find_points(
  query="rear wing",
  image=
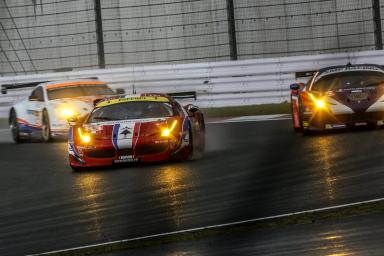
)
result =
(304, 74)
(183, 95)
(6, 87)
(174, 95)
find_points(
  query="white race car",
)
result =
(43, 115)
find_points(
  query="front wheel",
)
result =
(15, 129)
(46, 127)
(189, 148)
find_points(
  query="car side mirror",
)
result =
(72, 120)
(33, 98)
(295, 86)
(191, 109)
(120, 91)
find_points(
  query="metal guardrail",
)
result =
(218, 84)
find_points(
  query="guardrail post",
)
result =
(377, 24)
(99, 34)
(232, 30)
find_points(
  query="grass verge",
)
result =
(276, 222)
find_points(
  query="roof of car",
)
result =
(67, 83)
(350, 67)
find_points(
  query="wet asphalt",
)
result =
(249, 170)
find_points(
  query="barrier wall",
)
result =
(218, 84)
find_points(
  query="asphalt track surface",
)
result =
(250, 170)
(350, 236)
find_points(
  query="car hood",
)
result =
(357, 99)
(128, 129)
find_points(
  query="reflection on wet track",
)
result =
(250, 170)
(172, 181)
(90, 187)
(325, 158)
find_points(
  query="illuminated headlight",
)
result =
(320, 103)
(167, 131)
(66, 113)
(85, 137)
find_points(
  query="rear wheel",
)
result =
(202, 137)
(15, 129)
(46, 127)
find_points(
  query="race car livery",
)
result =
(43, 115)
(145, 128)
(339, 97)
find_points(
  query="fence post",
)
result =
(99, 34)
(232, 30)
(377, 24)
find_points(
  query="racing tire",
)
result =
(15, 129)
(192, 152)
(295, 129)
(201, 147)
(46, 127)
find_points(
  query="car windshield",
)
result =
(78, 91)
(131, 110)
(348, 80)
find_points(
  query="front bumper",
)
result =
(108, 156)
(329, 121)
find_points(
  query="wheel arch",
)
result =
(12, 110)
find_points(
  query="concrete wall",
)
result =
(144, 32)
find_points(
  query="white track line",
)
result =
(212, 227)
(259, 118)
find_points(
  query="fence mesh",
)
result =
(45, 36)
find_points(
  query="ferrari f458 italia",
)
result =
(129, 129)
(339, 97)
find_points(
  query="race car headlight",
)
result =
(320, 103)
(65, 112)
(167, 131)
(85, 137)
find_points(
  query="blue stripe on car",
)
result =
(115, 135)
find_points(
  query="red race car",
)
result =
(128, 129)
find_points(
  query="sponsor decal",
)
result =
(125, 135)
(126, 131)
(126, 159)
(335, 126)
(131, 99)
(357, 96)
(361, 124)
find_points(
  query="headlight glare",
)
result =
(85, 137)
(167, 131)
